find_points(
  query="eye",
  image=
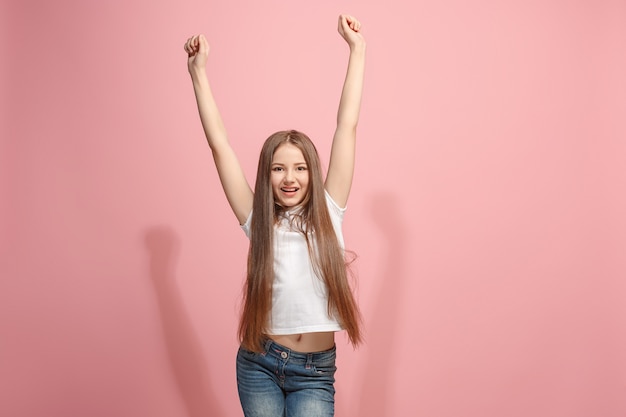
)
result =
(277, 169)
(302, 168)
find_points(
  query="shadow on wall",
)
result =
(382, 325)
(189, 365)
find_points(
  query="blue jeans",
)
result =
(282, 383)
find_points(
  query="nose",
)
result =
(288, 176)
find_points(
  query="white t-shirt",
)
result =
(299, 296)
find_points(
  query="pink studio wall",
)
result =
(487, 211)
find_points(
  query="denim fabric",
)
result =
(283, 383)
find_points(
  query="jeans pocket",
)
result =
(323, 369)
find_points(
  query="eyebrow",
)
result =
(282, 164)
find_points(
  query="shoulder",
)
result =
(333, 207)
(246, 226)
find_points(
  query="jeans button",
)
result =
(283, 355)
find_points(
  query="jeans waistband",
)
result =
(280, 351)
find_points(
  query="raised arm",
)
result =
(341, 165)
(236, 187)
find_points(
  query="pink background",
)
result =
(487, 211)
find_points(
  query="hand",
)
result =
(350, 29)
(197, 48)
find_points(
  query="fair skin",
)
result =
(289, 179)
(290, 176)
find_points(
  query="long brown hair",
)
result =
(326, 253)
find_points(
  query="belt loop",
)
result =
(309, 360)
(268, 344)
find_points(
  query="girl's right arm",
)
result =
(236, 187)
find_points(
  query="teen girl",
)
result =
(296, 293)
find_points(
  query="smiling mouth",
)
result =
(289, 189)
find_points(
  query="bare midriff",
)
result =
(306, 342)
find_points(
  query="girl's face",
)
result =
(289, 175)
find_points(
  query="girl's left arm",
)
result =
(341, 164)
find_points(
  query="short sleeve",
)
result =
(336, 212)
(246, 226)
